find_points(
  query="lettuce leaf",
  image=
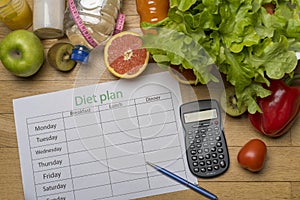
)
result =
(239, 37)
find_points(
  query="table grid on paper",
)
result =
(93, 152)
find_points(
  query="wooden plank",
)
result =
(15, 89)
(295, 190)
(295, 133)
(244, 190)
(240, 131)
(10, 174)
(8, 137)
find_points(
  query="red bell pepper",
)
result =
(279, 110)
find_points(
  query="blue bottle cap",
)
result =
(80, 54)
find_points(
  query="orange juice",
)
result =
(15, 14)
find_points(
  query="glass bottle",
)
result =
(15, 14)
(48, 16)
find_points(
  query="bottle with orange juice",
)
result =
(15, 14)
(152, 11)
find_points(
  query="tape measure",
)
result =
(82, 28)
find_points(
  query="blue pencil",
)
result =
(184, 182)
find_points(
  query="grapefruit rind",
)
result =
(128, 74)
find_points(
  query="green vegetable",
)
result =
(239, 37)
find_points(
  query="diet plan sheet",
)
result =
(93, 142)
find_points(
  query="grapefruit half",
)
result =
(124, 56)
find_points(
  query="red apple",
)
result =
(252, 155)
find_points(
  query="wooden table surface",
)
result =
(280, 178)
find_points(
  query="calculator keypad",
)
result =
(207, 150)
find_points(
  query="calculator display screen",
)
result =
(200, 115)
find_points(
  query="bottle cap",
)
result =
(80, 54)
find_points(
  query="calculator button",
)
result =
(215, 161)
(201, 163)
(219, 144)
(193, 152)
(201, 157)
(213, 149)
(207, 156)
(216, 167)
(220, 150)
(222, 163)
(214, 155)
(212, 144)
(221, 156)
(208, 162)
(196, 169)
(205, 124)
(195, 164)
(209, 168)
(194, 158)
(203, 170)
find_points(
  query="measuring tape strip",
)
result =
(120, 23)
(80, 24)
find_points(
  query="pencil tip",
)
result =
(149, 163)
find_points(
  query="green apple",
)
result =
(22, 53)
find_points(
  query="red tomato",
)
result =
(252, 155)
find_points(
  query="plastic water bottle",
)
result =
(88, 23)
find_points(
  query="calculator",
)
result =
(206, 147)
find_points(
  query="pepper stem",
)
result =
(289, 81)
